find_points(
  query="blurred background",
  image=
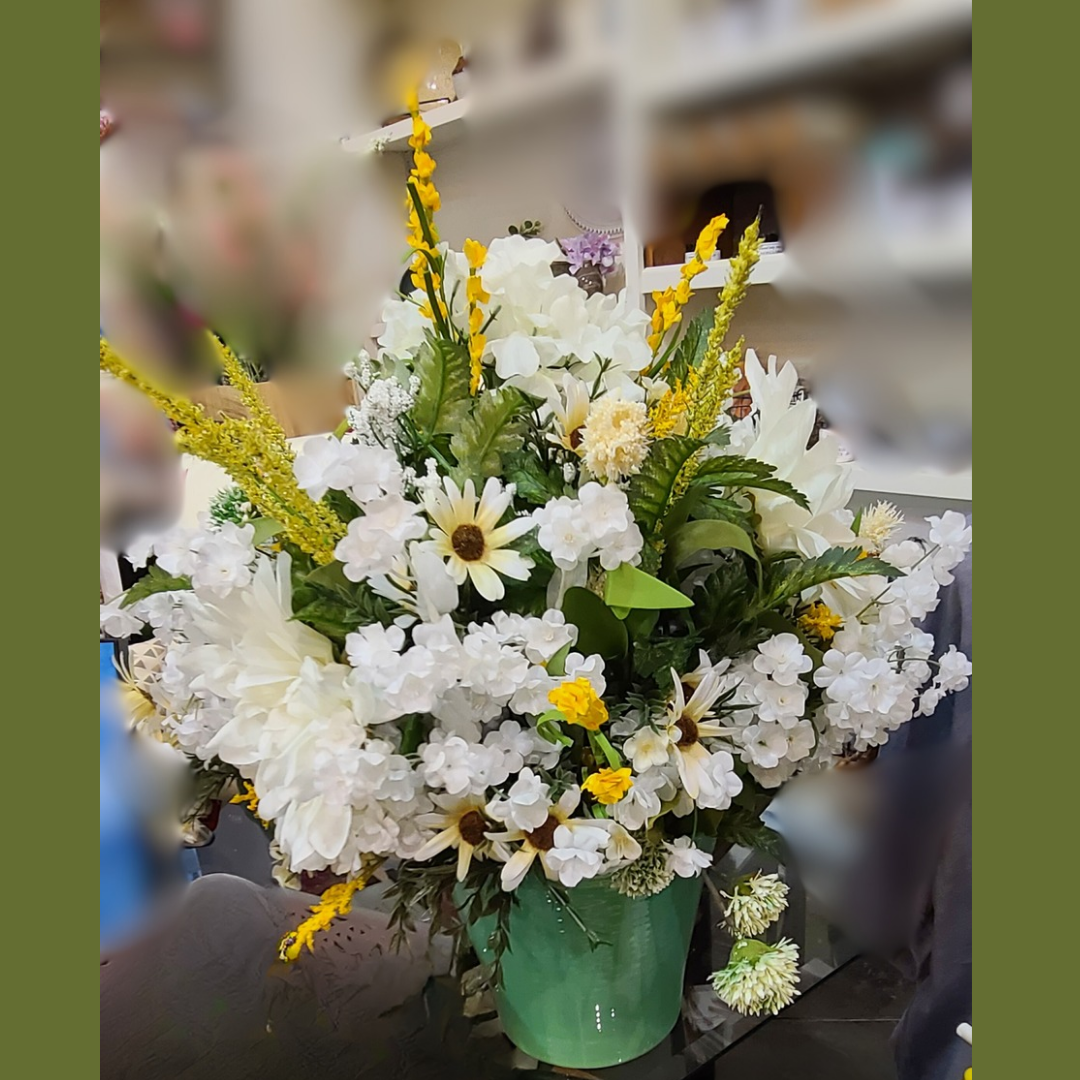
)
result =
(253, 155)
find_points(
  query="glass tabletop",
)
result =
(706, 1027)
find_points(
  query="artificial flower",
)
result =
(684, 859)
(579, 703)
(754, 904)
(540, 840)
(877, 524)
(759, 978)
(615, 438)
(462, 826)
(608, 786)
(471, 540)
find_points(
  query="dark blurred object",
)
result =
(686, 216)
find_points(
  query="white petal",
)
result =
(510, 564)
(488, 584)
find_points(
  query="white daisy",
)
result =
(686, 724)
(463, 825)
(470, 539)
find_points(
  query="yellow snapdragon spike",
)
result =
(670, 302)
(475, 295)
(476, 253)
(334, 903)
(250, 799)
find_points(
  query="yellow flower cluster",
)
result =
(580, 704)
(253, 451)
(476, 295)
(670, 302)
(250, 799)
(334, 903)
(422, 202)
(608, 785)
(820, 621)
(719, 371)
(667, 416)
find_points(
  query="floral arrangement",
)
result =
(540, 607)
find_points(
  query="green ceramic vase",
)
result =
(576, 1007)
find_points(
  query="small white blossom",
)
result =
(684, 859)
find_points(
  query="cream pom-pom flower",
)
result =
(615, 438)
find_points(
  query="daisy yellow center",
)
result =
(472, 827)
(468, 542)
(543, 837)
(688, 731)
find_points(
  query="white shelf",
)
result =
(817, 48)
(657, 278)
(927, 483)
(395, 137)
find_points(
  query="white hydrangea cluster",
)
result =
(597, 524)
(543, 325)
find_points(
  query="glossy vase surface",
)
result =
(570, 1005)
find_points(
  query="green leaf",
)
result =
(494, 428)
(550, 730)
(534, 483)
(557, 664)
(331, 576)
(789, 578)
(599, 631)
(442, 402)
(655, 657)
(265, 530)
(627, 586)
(732, 471)
(156, 581)
(691, 347)
(602, 748)
(698, 536)
(650, 491)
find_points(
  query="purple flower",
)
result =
(591, 249)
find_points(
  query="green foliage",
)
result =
(230, 504)
(535, 484)
(785, 579)
(628, 587)
(327, 601)
(732, 471)
(265, 530)
(698, 536)
(651, 490)
(599, 631)
(495, 427)
(156, 581)
(691, 348)
(442, 402)
(654, 658)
